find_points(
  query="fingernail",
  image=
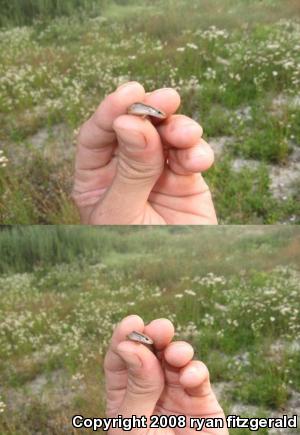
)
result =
(132, 140)
(186, 128)
(197, 154)
(131, 359)
(190, 126)
(163, 89)
(190, 375)
(127, 88)
(192, 371)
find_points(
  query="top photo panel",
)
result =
(131, 112)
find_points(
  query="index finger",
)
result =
(96, 139)
(161, 331)
(113, 362)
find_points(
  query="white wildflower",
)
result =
(2, 406)
(192, 46)
(189, 292)
(3, 159)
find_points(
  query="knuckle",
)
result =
(81, 133)
(132, 170)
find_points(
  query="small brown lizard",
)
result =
(138, 337)
(144, 110)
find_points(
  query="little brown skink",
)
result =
(138, 337)
(141, 109)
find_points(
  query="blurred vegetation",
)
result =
(16, 12)
(22, 249)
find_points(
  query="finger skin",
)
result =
(188, 152)
(145, 381)
(130, 323)
(166, 99)
(144, 370)
(178, 354)
(98, 130)
(198, 205)
(181, 186)
(161, 331)
(180, 131)
(96, 145)
(96, 140)
(114, 365)
(194, 377)
(196, 159)
(195, 380)
(140, 164)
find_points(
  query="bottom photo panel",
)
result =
(149, 330)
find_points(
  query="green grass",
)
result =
(27, 11)
(24, 248)
(232, 292)
(229, 60)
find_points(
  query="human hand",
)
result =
(140, 383)
(131, 171)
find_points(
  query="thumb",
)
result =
(145, 380)
(140, 164)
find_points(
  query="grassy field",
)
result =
(234, 62)
(19, 13)
(232, 292)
